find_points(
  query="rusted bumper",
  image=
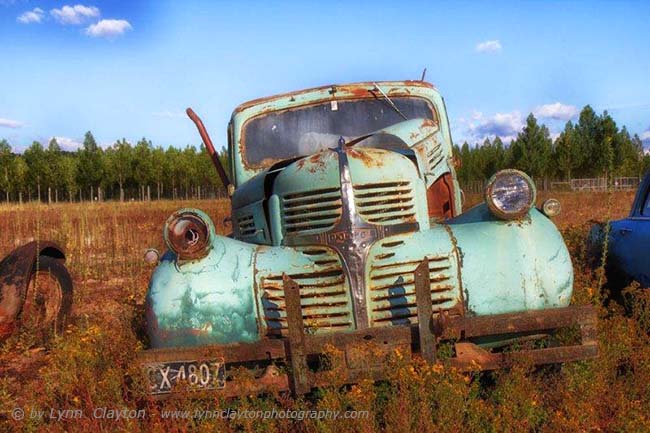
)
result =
(363, 353)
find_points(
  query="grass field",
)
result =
(91, 364)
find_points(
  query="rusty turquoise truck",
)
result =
(348, 231)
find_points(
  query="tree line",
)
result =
(121, 172)
(594, 146)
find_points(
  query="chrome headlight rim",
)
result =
(492, 186)
(189, 233)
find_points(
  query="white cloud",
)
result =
(108, 28)
(8, 123)
(504, 125)
(34, 16)
(556, 111)
(77, 14)
(69, 144)
(493, 46)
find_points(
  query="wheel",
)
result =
(48, 299)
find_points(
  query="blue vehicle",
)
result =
(628, 240)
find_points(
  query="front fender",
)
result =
(205, 301)
(15, 273)
(511, 266)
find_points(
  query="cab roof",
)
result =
(341, 90)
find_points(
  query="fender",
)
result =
(15, 273)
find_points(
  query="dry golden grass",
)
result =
(92, 364)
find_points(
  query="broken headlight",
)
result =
(510, 194)
(188, 234)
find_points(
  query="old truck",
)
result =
(348, 234)
(35, 289)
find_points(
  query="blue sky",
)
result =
(129, 69)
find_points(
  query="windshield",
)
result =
(306, 130)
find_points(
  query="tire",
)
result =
(48, 298)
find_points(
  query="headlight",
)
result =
(510, 194)
(188, 233)
(551, 207)
(151, 256)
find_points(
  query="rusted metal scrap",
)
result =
(18, 272)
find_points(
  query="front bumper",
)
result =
(363, 354)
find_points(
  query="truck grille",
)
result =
(246, 225)
(386, 202)
(324, 296)
(435, 156)
(311, 211)
(392, 289)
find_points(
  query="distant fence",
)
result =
(145, 193)
(596, 184)
(602, 184)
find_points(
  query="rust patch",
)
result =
(456, 162)
(360, 92)
(366, 157)
(440, 198)
(420, 134)
(347, 89)
(300, 163)
(316, 162)
(209, 146)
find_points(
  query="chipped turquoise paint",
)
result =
(205, 301)
(510, 266)
(499, 266)
(390, 280)
(374, 166)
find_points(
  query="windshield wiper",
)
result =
(392, 104)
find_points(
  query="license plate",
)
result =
(198, 375)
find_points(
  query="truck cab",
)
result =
(283, 157)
